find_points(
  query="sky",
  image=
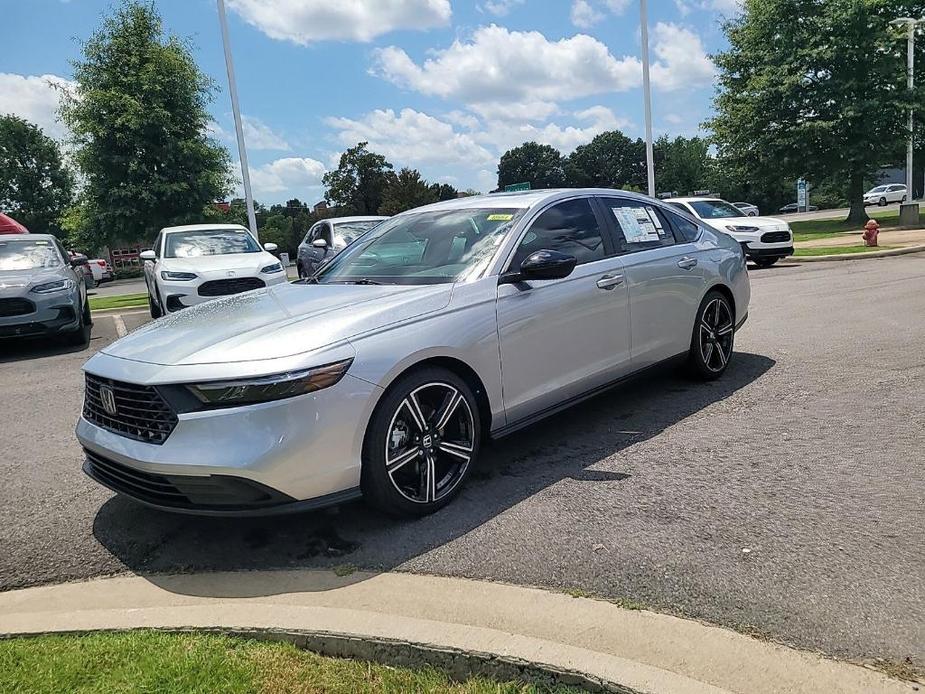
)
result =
(444, 86)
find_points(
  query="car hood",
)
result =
(211, 263)
(20, 279)
(763, 223)
(277, 322)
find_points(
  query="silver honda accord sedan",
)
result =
(384, 373)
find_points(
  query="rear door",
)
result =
(661, 261)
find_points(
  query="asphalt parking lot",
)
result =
(786, 498)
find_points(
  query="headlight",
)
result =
(177, 276)
(267, 388)
(275, 267)
(56, 286)
(735, 228)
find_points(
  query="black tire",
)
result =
(80, 336)
(154, 307)
(904, 199)
(714, 327)
(300, 271)
(882, 202)
(765, 262)
(422, 478)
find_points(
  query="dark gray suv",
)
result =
(42, 291)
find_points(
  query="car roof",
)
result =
(523, 199)
(28, 237)
(694, 199)
(203, 227)
(358, 218)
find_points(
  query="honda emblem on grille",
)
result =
(108, 398)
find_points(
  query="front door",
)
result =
(561, 338)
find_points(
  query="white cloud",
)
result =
(584, 15)
(306, 21)
(258, 135)
(290, 174)
(413, 138)
(498, 66)
(502, 135)
(725, 7)
(500, 8)
(681, 60)
(34, 98)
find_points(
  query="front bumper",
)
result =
(276, 457)
(53, 315)
(768, 250)
(178, 295)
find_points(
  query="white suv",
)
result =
(883, 195)
(765, 240)
(192, 264)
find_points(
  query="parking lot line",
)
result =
(120, 325)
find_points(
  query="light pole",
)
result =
(236, 110)
(650, 159)
(910, 25)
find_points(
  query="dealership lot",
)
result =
(785, 498)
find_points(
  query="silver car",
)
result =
(43, 291)
(329, 237)
(385, 373)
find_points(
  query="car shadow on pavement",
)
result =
(22, 349)
(578, 446)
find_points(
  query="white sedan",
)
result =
(883, 195)
(198, 262)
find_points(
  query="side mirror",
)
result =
(320, 243)
(542, 265)
(270, 247)
(78, 260)
(147, 255)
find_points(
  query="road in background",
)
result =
(785, 498)
(842, 213)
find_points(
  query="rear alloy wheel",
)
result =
(421, 443)
(713, 338)
(766, 262)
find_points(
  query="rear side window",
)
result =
(685, 229)
(638, 226)
(569, 227)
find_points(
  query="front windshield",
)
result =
(193, 244)
(715, 209)
(878, 189)
(424, 248)
(28, 255)
(348, 232)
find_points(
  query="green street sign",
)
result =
(514, 187)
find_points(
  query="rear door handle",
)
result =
(609, 281)
(687, 263)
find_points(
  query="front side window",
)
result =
(194, 244)
(424, 248)
(715, 209)
(28, 255)
(569, 227)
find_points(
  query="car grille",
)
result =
(234, 285)
(775, 237)
(141, 413)
(16, 307)
(211, 492)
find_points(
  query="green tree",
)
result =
(533, 163)
(791, 104)
(138, 121)
(406, 191)
(35, 185)
(444, 191)
(610, 160)
(681, 165)
(359, 182)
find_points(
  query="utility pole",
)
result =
(236, 110)
(647, 90)
(910, 25)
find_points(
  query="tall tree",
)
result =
(358, 183)
(681, 165)
(444, 191)
(610, 160)
(35, 185)
(533, 163)
(790, 102)
(406, 191)
(138, 121)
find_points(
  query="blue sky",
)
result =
(445, 86)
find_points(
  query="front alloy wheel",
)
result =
(421, 443)
(714, 334)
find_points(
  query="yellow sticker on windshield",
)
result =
(500, 217)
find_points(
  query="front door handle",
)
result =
(609, 281)
(687, 263)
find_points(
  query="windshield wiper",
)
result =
(365, 280)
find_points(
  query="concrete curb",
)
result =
(462, 625)
(856, 256)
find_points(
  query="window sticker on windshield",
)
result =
(636, 224)
(40, 243)
(500, 217)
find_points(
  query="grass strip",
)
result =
(840, 250)
(98, 303)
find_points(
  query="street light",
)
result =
(236, 111)
(647, 91)
(910, 25)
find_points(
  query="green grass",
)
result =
(98, 303)
(820, 228)
(840, 250)
(150, 661)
